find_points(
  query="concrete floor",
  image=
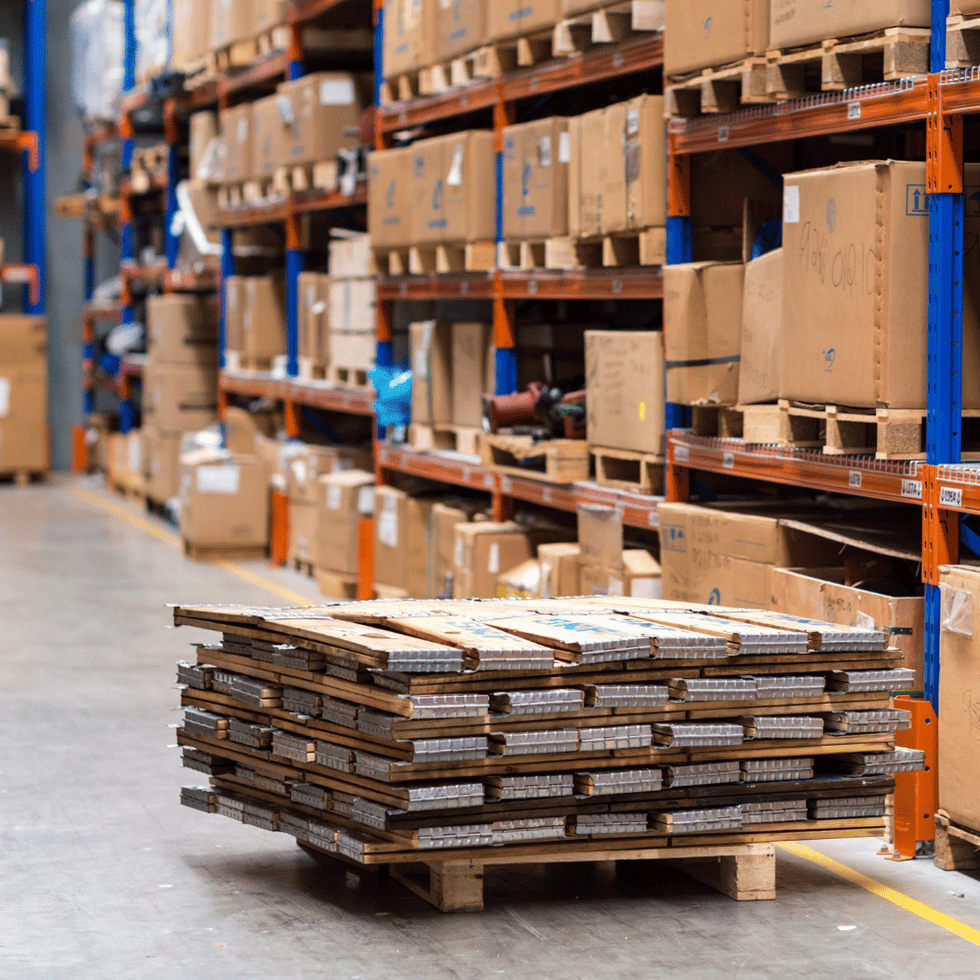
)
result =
(104, 875)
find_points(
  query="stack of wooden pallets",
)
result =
(460, 734)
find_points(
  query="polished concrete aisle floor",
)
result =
(105, 876)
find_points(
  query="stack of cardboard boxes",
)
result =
(352, 295)
(23, 395)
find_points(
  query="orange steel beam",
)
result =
(279, 528)
(294, 419)
(504, 329)
(386, 317)
(677, 486)
(940, 529)
(944, 154)
(27, 143)
(79, 451)
(916, 793)
(295, 42)
(365, 559)
(679, 186)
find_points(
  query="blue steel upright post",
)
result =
(385, 351)
(127, 249)
(35, 106)
(295, 258)
(680, 249)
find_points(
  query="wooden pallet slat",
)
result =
(957, 849)
(553, 460)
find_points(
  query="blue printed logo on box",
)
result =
(971, 201)
(672, 538)
(916, 201)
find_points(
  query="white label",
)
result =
(333, 496)
(544, 151)
(242, 130)
(564, 148)
(949, 497)
(728, 460)
(300, 472)
(135, 447)
(791, 204)
(505, 484)
(488, 481)
(653, 519)
(218, 479)
(337, 91)
(681, 454)
(493, 561)
(614, 586)
(388, 524)
(310, 297)
(723, 133)
(365, 500)
(855, 480)
(458, 552)
(285, 106)
(421, 368)
(546, 495)
(4, 397)
(632, 127)
(912, 489)
(854, 110)
(455, 176)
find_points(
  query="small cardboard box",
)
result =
(350, 255)
(320, 114)
(431, 345)
(191, 34)
(959, 695)
(352, 305)
(305, 469)
(224, 500)
(182, 328)
(236, 144)
(231, 21)
(559, 569)
(180, 398)
(23, 418)
(460, 27)
(304, 522)
(625, 382)
(521, 582)
(709, 33)
(409, 41)
(797, 22)
(354, 351)
(472, 371)
(703, 331)
(600, 536)
(264, 317)
(536, 158)
(343, 499)
(639, 577)
(483, 550)
(390, 188)
(760, 369)
(519, 18)
(443, 519)
(161, 453)
(203, 134)
(401, 541)
(268, 151)
(314, 333)
(23, 340)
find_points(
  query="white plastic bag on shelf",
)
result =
(97, 58)
(152, 37)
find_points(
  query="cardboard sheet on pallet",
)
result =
(798, 22)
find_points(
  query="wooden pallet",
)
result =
(452, 438)
(311, 370)
(554, 460)
(307, 177)
(647, 246)
(754, 424)
(842, 63)
(224, 552)
(236, 361)
(608, 25)
(957, 849)
(246, 193)
(338, 586)
(392, 262)
(625, 470)
(346, 377)
(243, 54)
(401, 88)
(962, 41)
(714, 90)
(450, 257)
(23, 478)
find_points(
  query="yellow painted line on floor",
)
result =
(124, 513)
(923, 911)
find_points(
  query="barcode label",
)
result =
(855, 480)
(681, 454)
(728, 461)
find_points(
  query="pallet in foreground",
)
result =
(554, 460)
(957, 848)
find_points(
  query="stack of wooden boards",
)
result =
(506, 731)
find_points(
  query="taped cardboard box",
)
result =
(639, 576)
(519, 18)
(625, 382)
(390, 188)
(23, 418)
(191, 36)
(343, 499)
(536, 160)
(483, 550)
(161, 464)
(797, 22)
(430, 345)
(460, 27)
(473, 371)
(182, 328)
(409, 42)
(235, 153)
(820, 593)
(959, 668)
(760, 368)
(264, 317)
(23, 340)
(703, 331)
(711, 33)
(855, 286)
(180, 398)
(320, 115)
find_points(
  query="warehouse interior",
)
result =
(517, 460)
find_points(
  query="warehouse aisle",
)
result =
(106, 876)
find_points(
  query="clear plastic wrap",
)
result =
(97, 58)
(152, 37)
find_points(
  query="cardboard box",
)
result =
(645, 163)
(575, 190)
(820, 593)
(443, 519)
(401, 541)
(180, 398)
(182, 328)
(231, 21)
(23, 417)
(518, 18)
(521, 582)
(269, 116)
(203, 136)
(23, 340)
(191, 35)
(224, 500)
(460, 27)
(473, 371)
(304, 471)
(314, 330)
(236, 144)
(797, 22)
(269, 14)
(964, 7)
(484, 549)
(760, 369)
(354, 351)
(343, 499)
(264, 318)
(855, 286)
(235, 298)
(600, 536)
(703, 331)
(959, 668)
(390, 189)
(320, 114)
(352, 305)
(593, 169)
(241, 428)
(559, 569)
(639, 576)
(450, 177)
(709, 33)
(304, 524)
(161, 464)
(625, 381)
(430, 346)
(350, 254)
(536, 158)
(408, 36)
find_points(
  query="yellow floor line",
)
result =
(123, 513)
(940, 919)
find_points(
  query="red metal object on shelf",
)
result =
(917, 793)
(279, 527)
(365, 559)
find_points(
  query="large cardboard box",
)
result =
(182, 328)
(23, 339)
(625, 382)
(473, 371)
(402, 541)
(519, 18)
(202, 135)
(460, 27)
(314, 291)
(231, 21)
(352, 305)
(161, 463)
(235, 298)
(708, 33)
(235, 153)
(268, 120)
(304, 522)
(964, 7)
(343, 499)
(408, 36)
(23, 417)
(430, 346)
(322, 116)
(264, 318)
(798, 22)
(855, 286)
(760, 369)
(180, 398)
(726, 557)
(191, 33)
(224, 500)
(450, 177)
(959, 695)
(390, 188)
(536, 158)
(703, 331)
(592, 172)
(820, 593)
(443, 519)
(600, 536)
(484, 550)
